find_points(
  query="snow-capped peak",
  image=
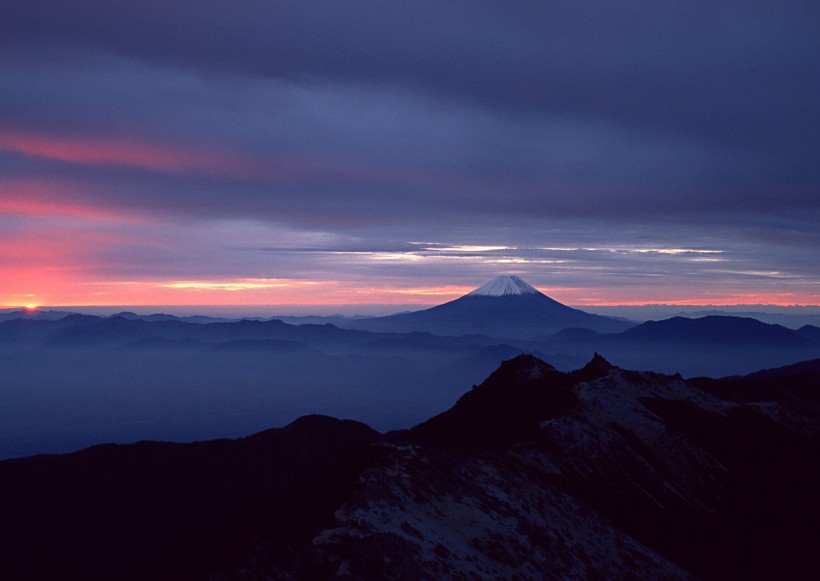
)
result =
(504, 286)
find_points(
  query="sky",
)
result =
(369, 152)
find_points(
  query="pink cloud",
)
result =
(113, 151)
(41, 198)
(130, 152)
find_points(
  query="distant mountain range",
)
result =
(792, 317)
(713, 330)
(714, 346)
(73, 380)
(535, 473)
(79, 380)
(42, 314)
(791, 321)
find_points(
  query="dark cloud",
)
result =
(527, 125)
(697, 66)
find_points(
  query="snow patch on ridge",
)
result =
(504, 286)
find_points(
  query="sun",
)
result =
(31, 307)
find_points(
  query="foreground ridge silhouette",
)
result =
(599, 471)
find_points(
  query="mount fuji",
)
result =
(504, 286)
(507, 307)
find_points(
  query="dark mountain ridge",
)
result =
(705, 486)
(159, 510)
(599, 472)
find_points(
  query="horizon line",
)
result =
(347, 306)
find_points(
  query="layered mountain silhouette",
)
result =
(810, 332)
(80, 379)
(535, 473)
(713, 345)
(506, 307)
(713, 330)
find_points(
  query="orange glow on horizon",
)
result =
(56, 289)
